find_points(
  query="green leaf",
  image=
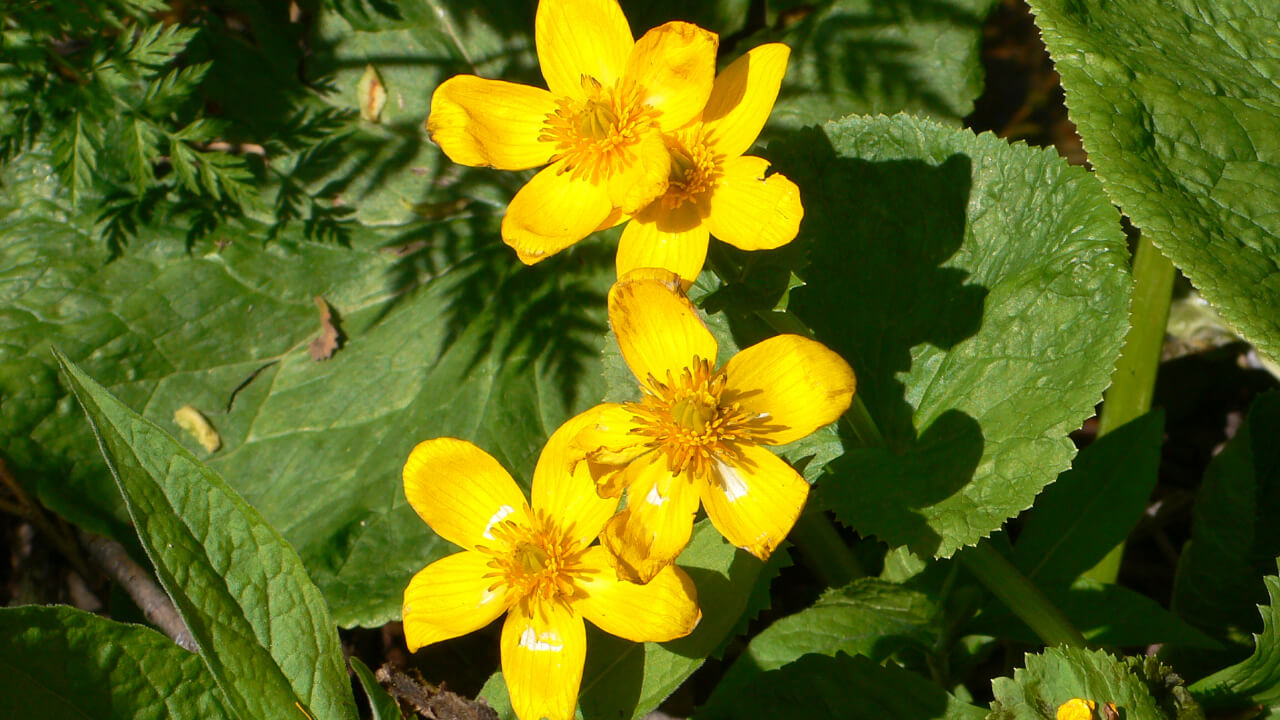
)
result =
(1256, 680)
(1234, 538)
(1093, 506)
(863, 56)
(75, 155)
(623, 679)
(263, 628)
(1140, 689)
(59, 662)
(817, 687)
(1177, 104)
(381, 704)
(980, 292)
(868, 617)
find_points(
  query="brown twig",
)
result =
(57, 533)
(433, 703)
(114, 560)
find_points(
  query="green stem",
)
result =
(824, 551)
(1021, 596)
(1134, 381)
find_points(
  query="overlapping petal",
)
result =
(663, 609)
(753, 210)
(657, 523)
(742, 98)
(459, 490)
(568, 491)
(544, 647)
(581, 37)
(451, 597)
(480, 122)
(754, 501)
(654, 240)
(674, 65)
(658, 330)
(643, 177)
(794, 384)
(551, 212)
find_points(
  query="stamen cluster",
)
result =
(593, 136)
(538, 560)
(694, 169)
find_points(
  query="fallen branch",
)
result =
(111, 557)
(433, 703)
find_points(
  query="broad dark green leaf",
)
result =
(868, 617)
(263, 628)
(1256, 680)
(62, 663)
(1234, 536)
(381, 704)
(980, 292)
(817, 687)
(1093, 506)
(1178, 105)
(1140, 689)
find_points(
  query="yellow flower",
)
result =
(1076, 709)
(599, 125)
(698, 433)
(714, 189)
(533, 561)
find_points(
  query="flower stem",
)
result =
(823, 551)
(1021, 596)
(1134, 380)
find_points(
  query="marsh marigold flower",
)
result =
(714, 189)
(533, 561)
(698, 432)
(599, 125)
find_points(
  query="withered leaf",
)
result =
(323, 347)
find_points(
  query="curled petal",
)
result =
(460, 490)
(567, 491)
(657, 523)
(793, 385)
(451, 597)
(658, 330)
(581, 37)
(491, 123)
(754, 501)
(743, 97)
(551, 212)
(674, 65)
(663, 609)
(751, 211)
(544, 646)
(646, 244)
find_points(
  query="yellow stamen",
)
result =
(535, 558)
(595, 136)
(694, 168)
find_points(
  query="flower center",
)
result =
(595, 136)
(534, 559)
(685, 419)
(694, 169)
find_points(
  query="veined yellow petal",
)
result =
(451, 597)
(755, 501)
(493, 123)
(657, 523)
(608, 439)
(581, 37)
(658, 330)
(743, 97)
(663, 609)
(794, 385)
(460, 490)
(751, 211)
(643, 177)
(551, 212)
(645, 244)
(570, 492)
(675, 66)
(544, 646)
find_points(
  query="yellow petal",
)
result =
(581, 37)
(551, 212)
(658, 330)
(608, 438)
(674, 65)
(793, 384)
(751, 211)
(663, 609)
(657, 523)
(460, 490)
(544, 646)
(481, 122)
(646, 244)
(643, 177)
(755, 501)
(451, 597)
(743, 97)
(568, 492)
